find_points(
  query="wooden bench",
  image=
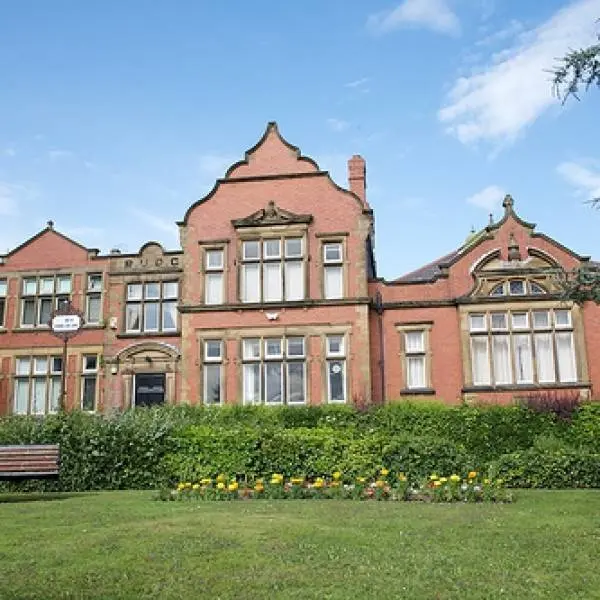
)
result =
(29, 461)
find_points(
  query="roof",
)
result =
(429, 272)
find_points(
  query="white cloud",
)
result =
(9, 152)
(585, 181)
(214, 164)
(357, 83)
(496, 102)
(13, 197)
(157, 223)
(429, 14)
(502, 35)
(337, 125)
(489, 198)
(56, 155)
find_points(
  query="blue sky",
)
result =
(115, 116)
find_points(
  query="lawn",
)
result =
(125, 545)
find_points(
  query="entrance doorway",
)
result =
(149, 389)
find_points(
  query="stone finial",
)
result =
(50, 224)
(491, 219)
(508, 203)
(513, 248)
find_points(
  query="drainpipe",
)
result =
(378, 305)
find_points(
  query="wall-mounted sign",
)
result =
(65, 323)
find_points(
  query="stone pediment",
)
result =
(271, 215)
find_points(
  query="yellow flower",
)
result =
(196, 486)
(297, 480)
(472, 474)
(206, 481)
(180, 486)
(220, 485)
(384, 472)
(260, 481)
(380, 483)
(259, 487)
(336, 483)
(188, 484)
(402, 477)
(454, 478)
(443, 479)
(499, 481)
(337, 475)
(318, 483)
(433, 477)
(221, 478)
(437, 483)
(233, 486)
(361, 479)
(486, 481)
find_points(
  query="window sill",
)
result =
(269, 306)
(417, 392)
(527, 387)
(148, 334)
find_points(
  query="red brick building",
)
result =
(273, 299)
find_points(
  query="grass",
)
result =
(124, 545)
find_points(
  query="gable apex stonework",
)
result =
(271, 215)
(272, 155)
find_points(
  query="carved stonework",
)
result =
(271, 215)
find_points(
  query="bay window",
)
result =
(522, 347)
(272, 270)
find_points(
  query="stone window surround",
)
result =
(306, 331)
(425, 327)
(523, 306)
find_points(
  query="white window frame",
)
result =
(210, 362)
(333, 264)
(336, 356)
(92, 294)
(214, 273)
(547, 368)
(28, 371)
(141, 300)
(259, 270)
(33, 293)
(89, 373)
(266, 360)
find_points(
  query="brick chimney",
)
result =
(357, 176)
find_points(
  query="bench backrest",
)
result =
(29, 461)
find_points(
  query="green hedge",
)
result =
(563, 468)
(149, 447)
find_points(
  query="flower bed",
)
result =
(471, 487)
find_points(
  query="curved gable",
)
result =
(272, 155)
